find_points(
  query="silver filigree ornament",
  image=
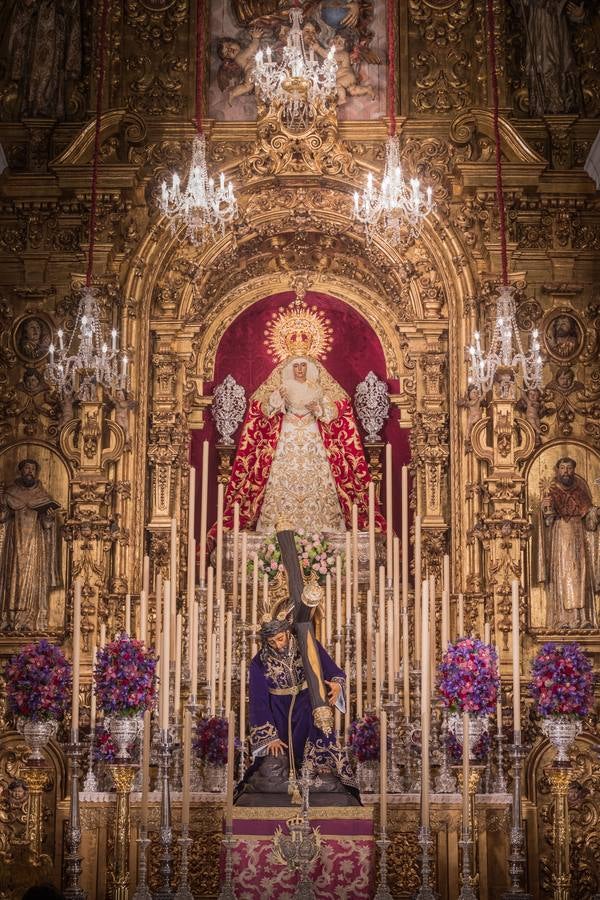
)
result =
(372, 404)
(228, 408)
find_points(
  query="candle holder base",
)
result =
(183, 892)
(426, 891)
(383, 891)
(142, 891)
(227, 892)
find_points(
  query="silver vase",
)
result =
(478, 725)
(123, 731)
(561, 731)
(37, 735)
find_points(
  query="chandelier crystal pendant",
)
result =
(205, 209)
(84, 362)
(506, 347)
(397, 208)
(299, 81)
(87, 361)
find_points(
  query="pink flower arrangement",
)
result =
(125, 677)
(315, 553)
(38, 682)
(562, 681)
(468, 677)
(210, 742)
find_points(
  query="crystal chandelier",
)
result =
(506, 348)
(395, 204)
(299, 81)
(396, 209)
(85, 361)
(205, 209)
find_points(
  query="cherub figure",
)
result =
(245, 60)
(531, 404)
(230, 72)
(347, 83)
(472, 403)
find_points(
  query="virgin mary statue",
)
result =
(300, 456)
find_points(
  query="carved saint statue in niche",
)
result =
(44, 53)
(552, 72)
(569, 548)
(29, 554)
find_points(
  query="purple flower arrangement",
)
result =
(104, 748)
(562, 681)
(125, 677)
(468, 677)
(38, 682)
(210, 742)
(364, 738)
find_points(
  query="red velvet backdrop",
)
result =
(355, 351)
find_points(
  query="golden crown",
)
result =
(298, 330)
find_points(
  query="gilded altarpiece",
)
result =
(119, 467)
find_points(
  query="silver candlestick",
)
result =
(165, 830)
(90, 782)
(517, 858)
(383, 890)
(393, 709)
(227, 892)
(183, 891)
(499, 785)
(426, 891)
(72, 889)
(142, 891)
(467, 889)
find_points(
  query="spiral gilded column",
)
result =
(560, 779)
(123, 777)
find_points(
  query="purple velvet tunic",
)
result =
(270, 718)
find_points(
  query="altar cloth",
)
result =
(344, 870)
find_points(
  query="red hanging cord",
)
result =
(101, 45)
(391, 68)
(199, 63)
(491, 22)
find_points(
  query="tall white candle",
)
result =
(372, 556)
(76, 655)
(369, 653)
(244, 579)
(236, 554)
(203, 513)
(178, 655)
(382, 621)
(359, 663)
(213, 673)
(254, 620)
(194, 653)
(243, 678)
(173, 580)
(432, 628)
(127, 623)
(191, 555)
(461, 616)
(338, 596)
(348, 571)
(355, 555)
(425, 704)
(219, 551)
(221, 647)
(383, 769)
(328, 610)
(143, 617)
(516, 661)
(230, 774)
(228, 659)
(93, 692)
(397, 612)
(165, 657)
(418, 584)
(210, 621)
(389, 511)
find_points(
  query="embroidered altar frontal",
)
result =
(343, 870)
